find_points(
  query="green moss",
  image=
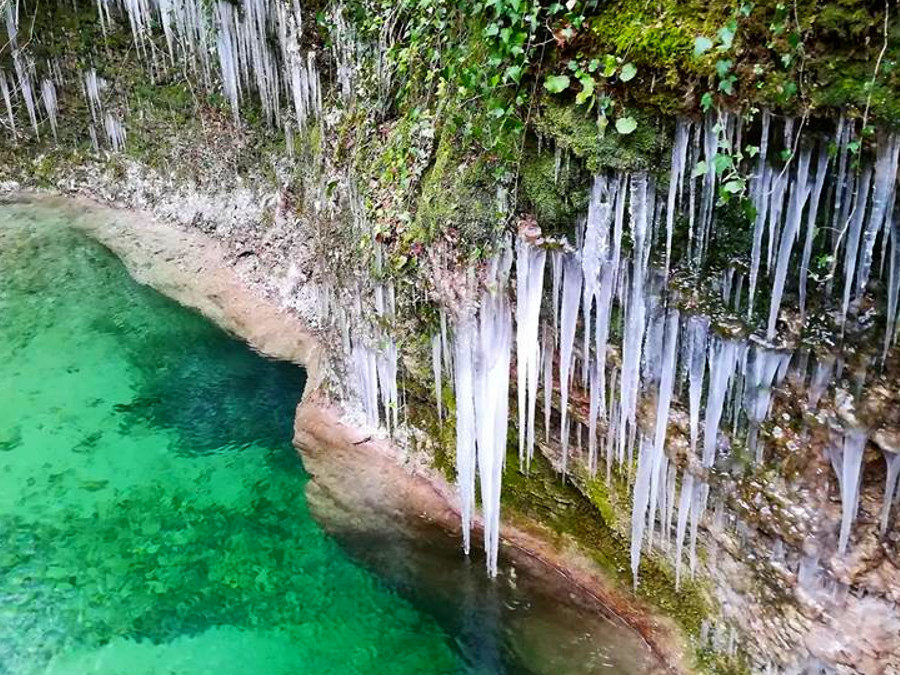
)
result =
(459, 192)
(556, 193)
(577, 131)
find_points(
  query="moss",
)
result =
(459, 192)
(555, 190)
(574, 130)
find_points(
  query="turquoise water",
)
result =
(154, 516)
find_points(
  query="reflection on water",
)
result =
(153, 516)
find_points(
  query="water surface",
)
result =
(153, 516)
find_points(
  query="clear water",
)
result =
(153, 515)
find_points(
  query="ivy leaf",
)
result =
(628, 72)
(514, 73)
(492, 30)
(556, 83)
(746, 8)
(722, 162)
(702, 45)
(727, 85)
(734, 186)
(723, 66)
(587, 89)
(625, 125)
(752, 150)
(699, 169)
(706, 101)
(726, 35)
(609, 65)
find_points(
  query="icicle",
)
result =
(760, 197)
(115, 132)
(684, 508)
(882, 195)
(891, 323)
(676, 179)
(436, 371)
(666, 388)
(529, 290)
(556, 263)
(635, 311)
(463, 343)
(571, 294)
(854, 227)
(847, 465)
(697, 328)
(594, 412)
(491, 408)
(639, 503)
(788, 235)
(721, 366)
(547, 343)
(892, 459)
(821, 171)
(764, 366)
(4, 90)
(48, 96)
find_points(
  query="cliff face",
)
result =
(707, 262)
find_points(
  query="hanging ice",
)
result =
(571, 295)
(529, 290)
(847, 463)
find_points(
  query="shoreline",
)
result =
(193, 269)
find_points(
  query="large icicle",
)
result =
(635, 313)
(464, 373)
(651, 467)
(788, 235)
(529, 290)
(571, 296)
(491, 396)
(821, 171)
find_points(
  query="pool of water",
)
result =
(153, 516)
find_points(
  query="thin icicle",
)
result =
(821, 171)
(884, 185)
(676, 180)
(788, 235)
(571, 295)
(854, 230)
(436, 372)
(847, 463)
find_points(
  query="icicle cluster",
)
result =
(256, 44)
(814, 203)
(482, 344)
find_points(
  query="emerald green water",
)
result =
(152, 516)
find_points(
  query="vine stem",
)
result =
(865, 120)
